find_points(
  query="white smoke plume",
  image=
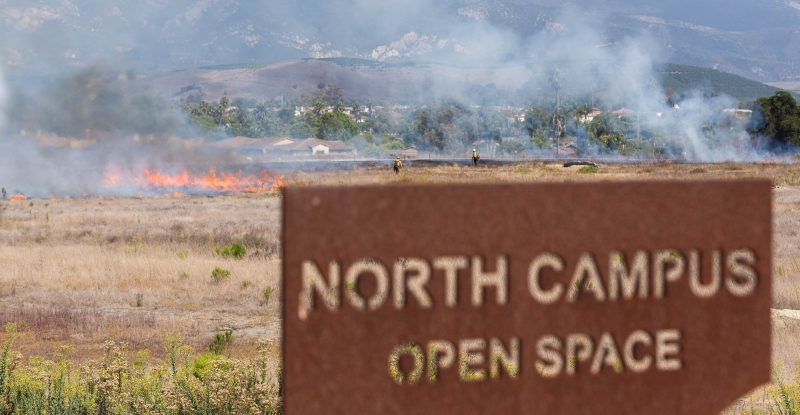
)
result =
(573, 55)
(90, 103)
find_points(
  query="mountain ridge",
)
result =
(758, 41)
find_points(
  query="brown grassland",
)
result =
(76, 273)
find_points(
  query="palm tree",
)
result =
(205, 107)
(357, 111)
(340, 107)
(261, 112)
(581, 112)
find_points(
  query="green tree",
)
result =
(240, 123)
(581, 111)
(607, 133)
(286, 115)
(537, 124)
(319, 107)
(300, 130)
(781, 117)
(333, 94)
(261, 112)
(451, 126)
(335, 126)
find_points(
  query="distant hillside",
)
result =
(793, 87)
(683, 78)
(409, 81)
(360, 79)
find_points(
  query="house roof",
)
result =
(309, 143)
(233, 143)
(243, 143)
(623, 111)
(271, 143)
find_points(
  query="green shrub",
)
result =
(785, 399)
(246, 284)
(209, 384)
(267, 294)
(588, 169)
(205, 362)
(236, 250)
(219, 275)
(221, 342)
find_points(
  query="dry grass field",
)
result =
(78, 272)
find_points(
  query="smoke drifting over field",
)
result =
(65, 131)
(570, 56)
(97, 131)
(625, 72)
(570, 53)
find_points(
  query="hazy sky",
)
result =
(757, 39)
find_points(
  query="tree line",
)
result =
(452, 126)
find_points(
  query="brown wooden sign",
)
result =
(600, 298)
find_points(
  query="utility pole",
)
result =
(556, 128)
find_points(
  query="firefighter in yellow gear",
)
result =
(397, 165)
(475, 157)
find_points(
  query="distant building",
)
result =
(408, 153)
(315, 146)
(233, 143)
(514, 116)
(270, 144)
(252, 146)
(591, 115)
(738, 113)
(623, 111)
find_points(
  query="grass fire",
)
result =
(213, 182)
(98, 283)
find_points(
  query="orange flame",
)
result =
(18, 198)
(116, 176)
(277, 184)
